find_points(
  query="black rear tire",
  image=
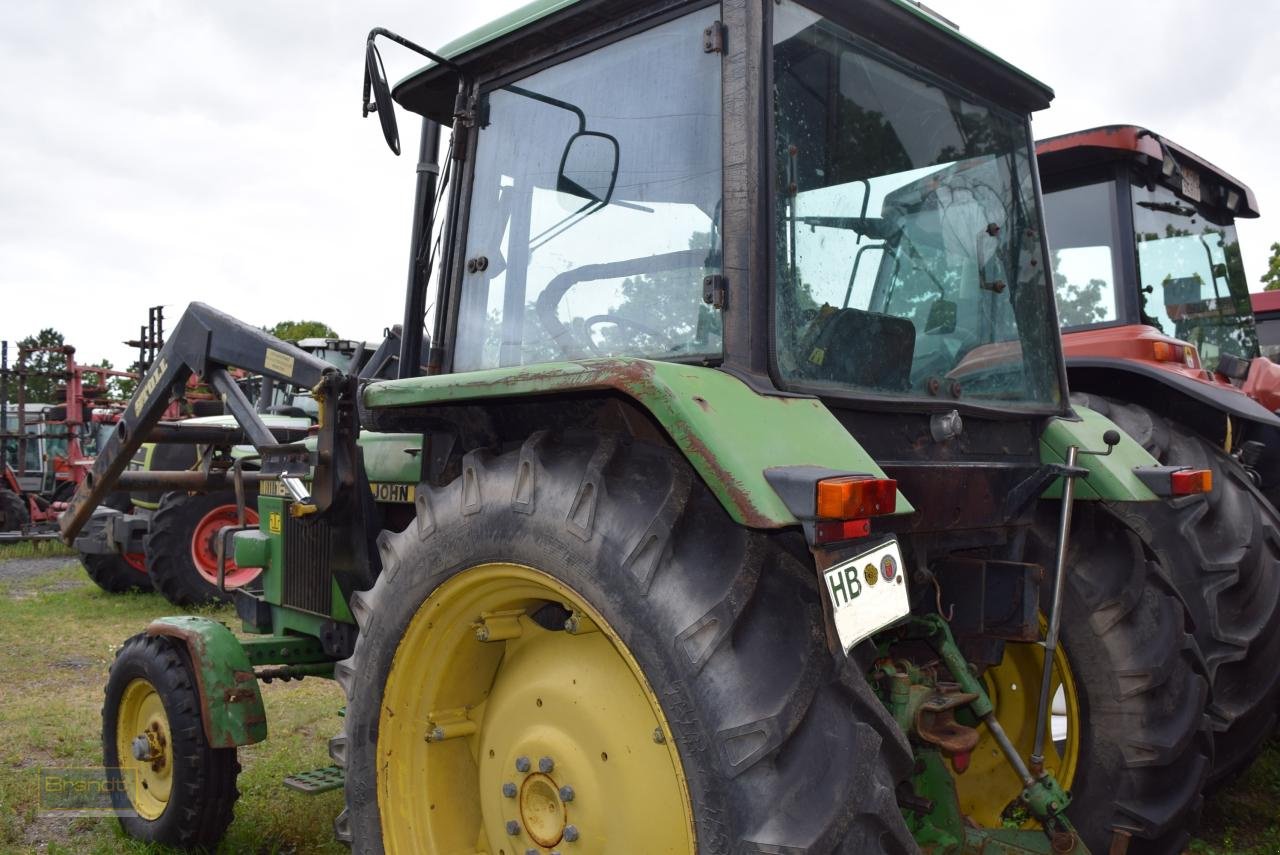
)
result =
(13, 511)
(726, 627)
(1145, 744)
(1223, 553)
(112, 573)
(203, 791)
(170, 564)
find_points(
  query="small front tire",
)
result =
(170, 785)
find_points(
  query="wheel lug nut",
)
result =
(571, 833)
(513, 828)
(522, 764)
(566, 793)
(509, 790)
(545, 765)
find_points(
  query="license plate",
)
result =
(868, 593)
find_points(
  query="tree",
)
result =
(1271, 278)
(124, 386)
(117, 388)
(298, 330)
(44, 369)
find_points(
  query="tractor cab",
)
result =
(1144, 234)
(888, 228)
(1152, 295)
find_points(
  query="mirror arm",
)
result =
(367, 105)
(403, 42)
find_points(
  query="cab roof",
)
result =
(1086, 148)
(430, 89)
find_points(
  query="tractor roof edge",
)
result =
(531, 15)
(1107, 142)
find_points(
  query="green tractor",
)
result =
(738, 491)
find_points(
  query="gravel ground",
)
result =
(22, 569)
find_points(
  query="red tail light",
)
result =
(856, 497)
(1190, 482)
(833, 532)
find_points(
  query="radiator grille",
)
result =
(307, 581)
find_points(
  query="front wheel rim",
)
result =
(520, 738)
(204, 545)
(144, 748)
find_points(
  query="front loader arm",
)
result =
(207, 342)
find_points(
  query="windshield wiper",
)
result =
(873, 227)
(1169, 208)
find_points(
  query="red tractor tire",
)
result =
(181, 544)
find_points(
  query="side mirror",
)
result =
(376, 75)
(589, 167)
(942, 318)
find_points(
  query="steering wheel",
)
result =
(621, 322)
(549, 299)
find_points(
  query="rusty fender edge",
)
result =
(230, 701)
(729, 433)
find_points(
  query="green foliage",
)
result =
(117, 388)
(126, 385)
(298, 330)
(42, 388)
(1271, 279)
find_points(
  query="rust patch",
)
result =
(737, 496)
(195, 647)
(702, 402)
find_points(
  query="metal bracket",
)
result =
(713, 38)
(715, 291)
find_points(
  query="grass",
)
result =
(59, 634)
(1245, 817)
(35, 549)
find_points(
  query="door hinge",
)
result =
(714, 291)
(464, 119)
(713, 38)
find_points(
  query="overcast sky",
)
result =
(159, 152)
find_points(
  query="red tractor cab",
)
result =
(1266, 316)
(1152, 296)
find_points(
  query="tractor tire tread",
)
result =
(1147, 746)
(168, 549)
(202, 801)
(710, 607)
(1223, 555)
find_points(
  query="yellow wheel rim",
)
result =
(989, 789)
(145, 749)
(500, 736)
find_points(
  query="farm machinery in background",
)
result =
(732, 505)
(1159, 336)
(169, 540)
(48, 446)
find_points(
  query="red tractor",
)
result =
(1266, 315)
(1159, 336)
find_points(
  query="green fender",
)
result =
(729, 433)
(1111, 477)
(230, 701)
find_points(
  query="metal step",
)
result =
(317, 781)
